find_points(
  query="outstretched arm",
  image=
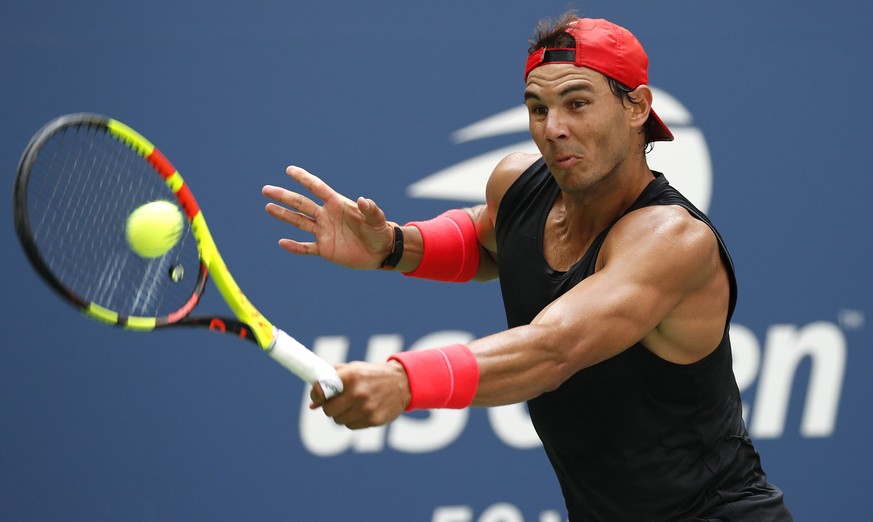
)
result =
(356, 234)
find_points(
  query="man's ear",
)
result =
(640, 111)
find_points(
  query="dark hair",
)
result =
(553, 34)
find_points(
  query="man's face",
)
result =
(581, 128)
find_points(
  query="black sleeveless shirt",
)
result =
(634, 437)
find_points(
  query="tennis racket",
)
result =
(79, 179)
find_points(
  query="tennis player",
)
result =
(618, 294)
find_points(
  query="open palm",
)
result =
(350, 233)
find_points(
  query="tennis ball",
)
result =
(154, 228)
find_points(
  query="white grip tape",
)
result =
(304, 363)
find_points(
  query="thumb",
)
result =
(373, 215)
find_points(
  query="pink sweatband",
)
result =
(451, 248)
(444, 377)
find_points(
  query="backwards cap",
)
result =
(608, 49)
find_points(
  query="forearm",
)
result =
(519, 364)
(413, 249)
(504, 368)
(445, 248)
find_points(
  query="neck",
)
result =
(596, 207)
(578, 217)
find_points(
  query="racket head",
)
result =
(78, 180)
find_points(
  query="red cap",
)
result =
(608, 49)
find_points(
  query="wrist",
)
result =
(390, 261)
(405, 393)
(444, 377)
(449, 248)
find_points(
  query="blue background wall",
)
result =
(103, 424)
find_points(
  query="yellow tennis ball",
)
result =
(154, 228)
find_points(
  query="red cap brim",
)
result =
(659, 131)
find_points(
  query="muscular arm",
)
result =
(660, 281)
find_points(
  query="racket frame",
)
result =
(249, 323)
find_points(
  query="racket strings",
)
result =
(82, 187)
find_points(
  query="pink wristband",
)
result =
(444, 377)
(451, 248)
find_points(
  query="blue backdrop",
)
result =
(409, 103)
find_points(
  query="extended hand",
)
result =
(349, 233)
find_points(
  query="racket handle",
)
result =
(304, 363)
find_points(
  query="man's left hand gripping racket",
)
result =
(79, 179)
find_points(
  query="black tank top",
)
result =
(634, 437)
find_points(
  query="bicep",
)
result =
(600, 317)
(647, 268)
(597, 319)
